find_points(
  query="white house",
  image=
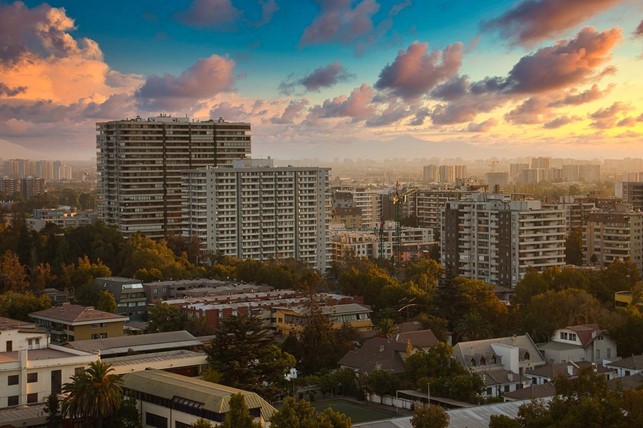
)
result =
(586, 342)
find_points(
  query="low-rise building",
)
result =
(129, 295)
(291, 320)
(550, 371)
(629, 366)
(68, 322)
(171, 400)
(63, 217)
(17, 335)
(186, 363)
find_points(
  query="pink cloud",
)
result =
(560, 121)
(639, 30)
(292, 111)
(357, 106)
(213, 14)
(529, 112)
(532, 21)
(566, 63)
(415, 71)
(339, 21)
(482, 126)
(574, 98)
(206, 78)
(321, 77)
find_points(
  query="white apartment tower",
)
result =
(496, 239)
(140, 162)
(258, 211)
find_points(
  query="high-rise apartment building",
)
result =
(27, 187)
(541, 163)
(258, 211)
(430, 174)
(141, 161)
(633, 194)
(614, 235)
(496, 239)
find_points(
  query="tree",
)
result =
(93, 395)
(239, 416)
(201, 423)
(386, 327)
(106, 302)
(41, 276)
(83, 273)
(381, 382)
(430, 416)
(503, 421)
(163, 317)
(574, 247)
(473, 327)
(301, 414)
(142, 256)
(18, 306)
(243, 352)
(52, 409)
(13, 275)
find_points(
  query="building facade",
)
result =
(258, 211)
(496, 239)
(140, 163)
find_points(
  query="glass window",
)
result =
(13, 400)
(32, 377)
(13, 380)
(32, 398)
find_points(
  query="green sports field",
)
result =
(357, 412)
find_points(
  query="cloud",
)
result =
(322, 77)
(563, 64)
(41, 32)
(206, 78)
(115, 107)
(11, 92)
(212, 14)
(394, 112)
(606, 118)
(560, 121)
(529, 112)
(482, 126)
(453, 89)
(639, 30)
(415, 72)
(572, 98)
(268, 9)
(420, 116)
(532, 21)
(357, 106)
(399, 7)
(337, 20)
(292, 112)
(630, 121)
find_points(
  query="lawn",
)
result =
(357, 412)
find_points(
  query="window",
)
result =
(32, 398)
(181, 425)
(154, 420)
(32, 377)
(78, 370)
(609, 353)
(56, 381)
(13, 400)
(9, 345)
(13, 380)
(598, 354)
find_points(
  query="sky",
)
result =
(329, 79)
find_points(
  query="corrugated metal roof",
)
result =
(213, 396)
(115, 345)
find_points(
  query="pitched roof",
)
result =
(11, 324)
(466, 351)
(77, 314)
(586, 332)
(635, 362)
(500, 376)
(376, 353)
(550, 371)
(213, 397)
(532, 392)
(626, 382)
(419, 339)
(138, 342)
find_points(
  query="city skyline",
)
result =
(361, 78)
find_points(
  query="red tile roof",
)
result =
(76, 314)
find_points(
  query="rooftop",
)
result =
(137, 342)
(635, 362)
(11, 324)
(212, 396)
(76, 314)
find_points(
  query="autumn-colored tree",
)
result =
(430, 416)
(83, 273)
(141, 255)
(13, 275)
(41, 276)
(18, 306)
(301, 414)
(106, 301)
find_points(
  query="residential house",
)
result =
(169, 400)
(68, 322)
(16, 335)
(381, 353)
(532, 392)
(547, 373)
(501, 362)
(586, 342)
(629, 366)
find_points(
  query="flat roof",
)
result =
(136, 342)
(155, 357)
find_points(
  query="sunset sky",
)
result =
(337, 78)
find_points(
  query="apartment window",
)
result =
(78, 370)
(13, 400)
(9, 345)
(13, 380)
(32, 398)
(32, 377)
(155, 421)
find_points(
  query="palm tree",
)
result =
(473, 327)
(94, 394)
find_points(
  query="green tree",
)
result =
(301, 414)
(243, 352)
(52, 409)
(106, 301)
(93, 395)
(142, 257)
(386, 327)
(201, 423)
(574, 248)
(163, 317)
(239, 416)
(18, 306)
(503, 421)
(473, 327)
(381, 382)
(430, 416)
(83, 273)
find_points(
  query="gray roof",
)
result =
(635, 362)
(476, 349)
(472, 417)
(155, 357)
(11, 324)
(532, 392)
(26, 415)
(137, 342)
(212, 396)
(559, 346)
(376, 353)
